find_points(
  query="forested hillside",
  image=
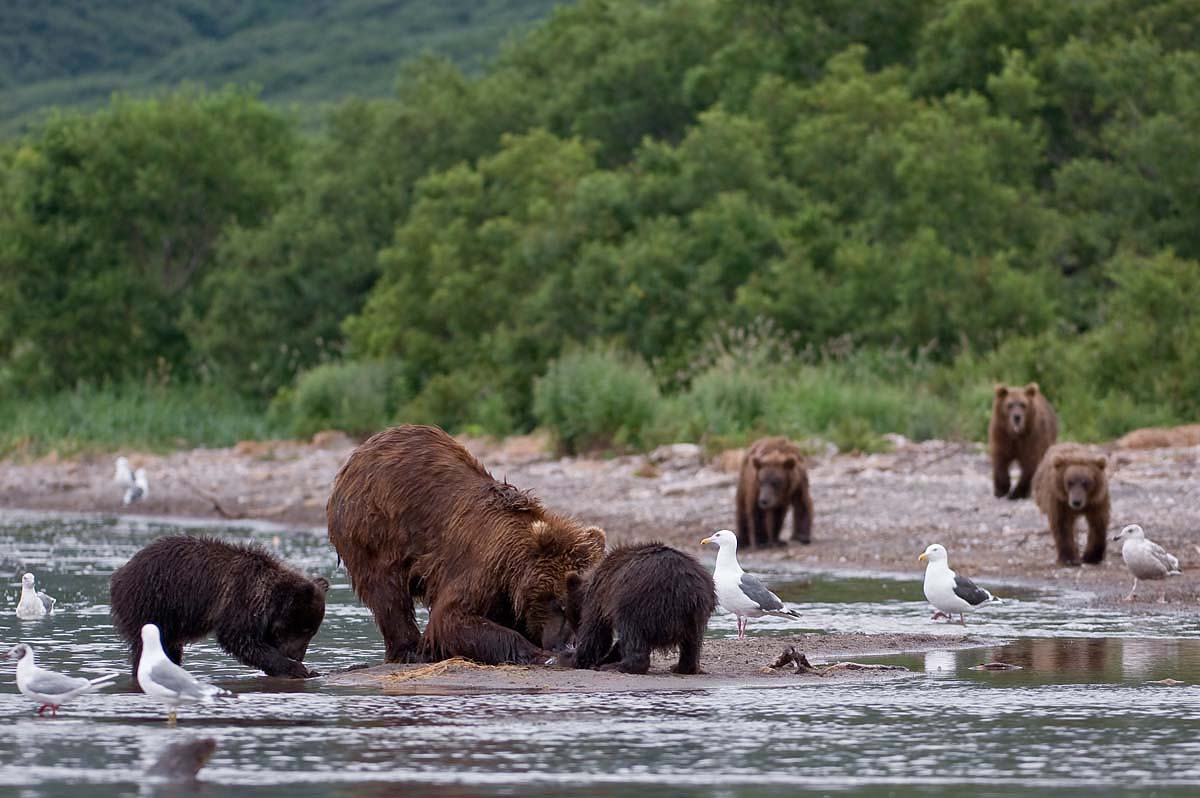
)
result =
(700, 219)
(305, 52)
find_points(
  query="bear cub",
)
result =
(773, 479)
(263, 613)
(1022, 428)
(653, 596)
(1070, 482)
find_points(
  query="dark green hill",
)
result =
(76, 53)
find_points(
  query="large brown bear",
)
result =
(653, 596)
(262, 612)
(1070, 482)
(414, 515)
(1022, 428)
(773, 479)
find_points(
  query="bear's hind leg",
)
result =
(454, 633)
(635, 655)
(390, 601)
(689, 651)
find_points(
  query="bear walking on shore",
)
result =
(773, 480)
(1023, 427)
(414, 515)
(263, 613)
(653, 596)
(1073, 481)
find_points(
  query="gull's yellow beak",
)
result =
(706, 540)
(923, 558)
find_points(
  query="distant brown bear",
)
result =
(262, 612)
(654, 597)
(773, 479)
(414, 515)
(1070, 482)
(1022, 428)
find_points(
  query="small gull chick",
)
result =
(33, 604)
(948, 592)
(48, 689)
(135, 483)
(741, 593)
(170, 684)
(1145, 559)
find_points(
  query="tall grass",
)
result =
(130, 416)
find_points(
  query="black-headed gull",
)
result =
(48, 689)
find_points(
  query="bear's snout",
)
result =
(1076, 504)
(764, 502)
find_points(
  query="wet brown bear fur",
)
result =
(1070, 482)
(262, 612)
(414, 516)
(653, 596)
(1022, 428)
(773, 479)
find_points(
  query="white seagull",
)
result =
(135, 483)
(32, 604)
(164, 680)
(741, 593)
(947, 591)
(48, 689)
(1145, 559)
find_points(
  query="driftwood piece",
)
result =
(216, 503)
(800, 664)
(995, 666)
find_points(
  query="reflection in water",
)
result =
(1083, 715)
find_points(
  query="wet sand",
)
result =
(726, 662)
(874, 513)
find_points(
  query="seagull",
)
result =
(172, 685)
(48, 689)
(33, 605)
(741, 593)
(947, 591)
(135, 483)
(1145, 559)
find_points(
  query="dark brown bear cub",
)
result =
(262, 612)
(1022, 428)
(773, 480)
(1070, 482)
(654, 598)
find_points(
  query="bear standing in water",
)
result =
(263, 613)
(653, 596)
(773, 480)
(414, 515)
(1022, 428)
(1072, 481)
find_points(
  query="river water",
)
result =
(1086, 715)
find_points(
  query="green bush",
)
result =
(357, 397)
(460, 401)
(597, 399)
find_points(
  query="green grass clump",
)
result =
(356, 397)
(597, 399)
(138, 416)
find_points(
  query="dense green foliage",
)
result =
(897, 202)
(305, 52)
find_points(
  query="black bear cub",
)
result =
(653, 596)
(263, 613)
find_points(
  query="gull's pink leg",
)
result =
(962, 618)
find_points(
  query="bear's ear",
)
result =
(789, 464)
(574, 582)
(1001, 391)
(322, 584)
(593, 544)
(1101, 462)
(756, 462)
(1059, 462)
(1031, 390)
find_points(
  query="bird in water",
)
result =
(1145, 559)
(135, 483)
(33, 604)
(948, 592)
(738, 592)
(167, 682)
(46, 688)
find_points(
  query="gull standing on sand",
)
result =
(1145, 559)
(947, 591)
(33, 604)
(48, 689)
(135, 483)
(741, 593)
(164, 680)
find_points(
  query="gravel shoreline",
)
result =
(874, 513)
